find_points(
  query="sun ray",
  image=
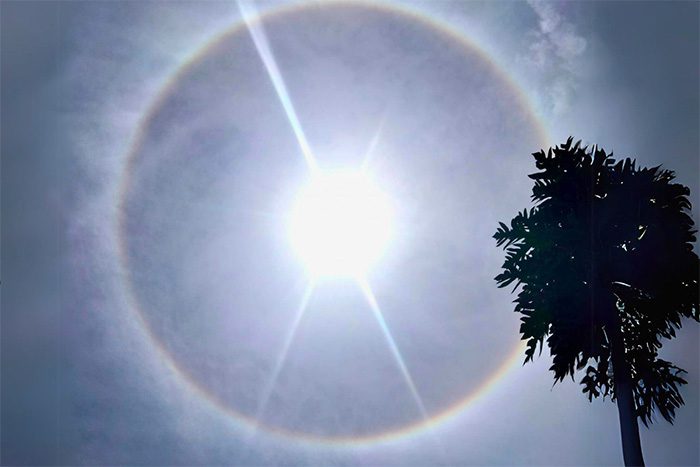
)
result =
(373, 143)
(372, 301)
(282, 357)
(255, 28)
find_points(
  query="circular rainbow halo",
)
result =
(340, 224)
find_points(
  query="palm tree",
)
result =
(607, 269)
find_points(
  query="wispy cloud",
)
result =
(556, 53)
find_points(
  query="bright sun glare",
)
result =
(340, 224)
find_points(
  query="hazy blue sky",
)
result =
(147, 288)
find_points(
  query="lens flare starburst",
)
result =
(340, 223)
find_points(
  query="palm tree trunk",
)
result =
(629, 429)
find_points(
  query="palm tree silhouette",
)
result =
(607, 269)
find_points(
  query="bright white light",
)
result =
(340, 224)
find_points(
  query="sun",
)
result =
(340, 224)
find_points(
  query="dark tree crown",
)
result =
(607, 243)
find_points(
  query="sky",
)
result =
(151, 153)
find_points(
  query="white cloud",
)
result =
(555, 54)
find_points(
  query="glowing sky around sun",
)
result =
(206, 236)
